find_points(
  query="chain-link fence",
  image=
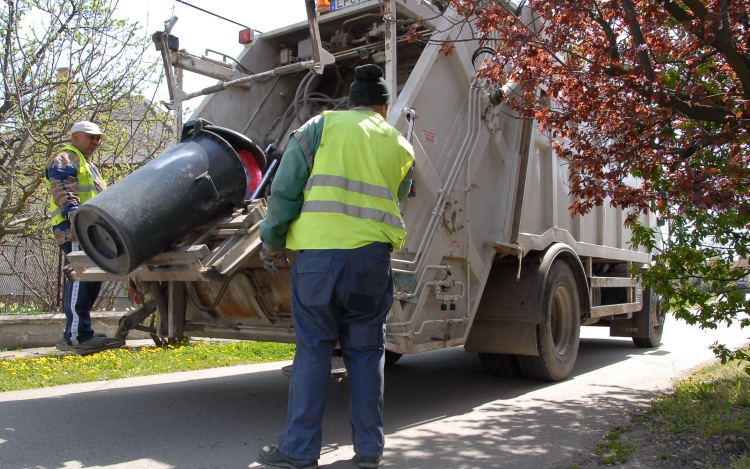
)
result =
(31, 280)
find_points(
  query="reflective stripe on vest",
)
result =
(349, 185)
(327, 206)
(350, 197)
(86, 186)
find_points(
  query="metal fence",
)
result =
(31, 280)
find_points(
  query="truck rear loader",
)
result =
(493, 261)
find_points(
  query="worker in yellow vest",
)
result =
(335, 200)
(72, 180)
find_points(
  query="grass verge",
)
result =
(704, 421)
(28, 373)
(712, 401)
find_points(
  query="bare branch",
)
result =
(724, 43)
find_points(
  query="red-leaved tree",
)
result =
(659, 90)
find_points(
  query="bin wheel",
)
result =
(502, 365)
(558, 334)
(392, 357)
(655, 321)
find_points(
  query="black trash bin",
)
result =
(144, 213)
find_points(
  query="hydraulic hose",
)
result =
(197, 303)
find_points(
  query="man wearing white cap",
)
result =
(72, 180)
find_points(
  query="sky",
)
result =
(199, 31)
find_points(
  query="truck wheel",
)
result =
(392, 357)
(501, 364)
(558, 334)
(654, 322)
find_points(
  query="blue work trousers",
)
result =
(78, 299)
(338, 295)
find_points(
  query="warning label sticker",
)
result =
(339, 4)
(431, 137)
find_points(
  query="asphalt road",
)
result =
(442, 411)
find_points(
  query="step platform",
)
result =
(338, 370)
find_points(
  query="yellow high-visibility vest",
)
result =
(350, 199)
(86, 186)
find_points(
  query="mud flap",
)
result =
(640, 324)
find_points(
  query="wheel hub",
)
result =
(561, 321)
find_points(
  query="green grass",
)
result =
(613, 450)
(616, 433)
(28, 373)
(713, 401)
(742, 462)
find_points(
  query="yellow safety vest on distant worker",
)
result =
(350, 197)
(86, 186)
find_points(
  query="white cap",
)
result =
(86, 127)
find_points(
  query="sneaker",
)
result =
(272, 456)
(368, 463)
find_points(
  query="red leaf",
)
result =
(447, 49)
(413, 36)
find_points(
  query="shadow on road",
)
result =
(442, 410)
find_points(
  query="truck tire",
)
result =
(558, 334)
(652, 308)
(502, 365)
(392, 357)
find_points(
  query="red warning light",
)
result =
(324, 6)
(247, 36)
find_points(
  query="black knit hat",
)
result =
(369, 87)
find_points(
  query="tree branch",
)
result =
(614, 52)
(638, 40)
(724, 43)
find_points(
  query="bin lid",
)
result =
(235, 139)
(240, 142)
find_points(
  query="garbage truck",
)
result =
(493, 262)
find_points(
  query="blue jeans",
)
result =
(78, 299)
(338, 295)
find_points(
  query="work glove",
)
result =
(269, 255)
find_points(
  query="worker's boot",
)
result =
(64, 347)
(368, 463)
(95, 344)
(272, 456)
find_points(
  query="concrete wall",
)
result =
(46, 330)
